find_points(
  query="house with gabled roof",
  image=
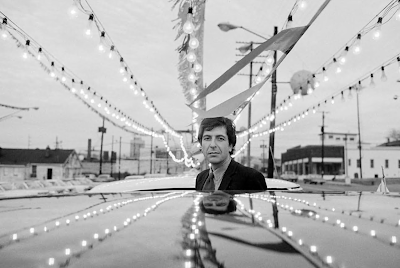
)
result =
(47, 164)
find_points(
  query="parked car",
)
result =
(314, 179)
(289, 176)
(103, 178)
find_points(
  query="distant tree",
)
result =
(394, 134)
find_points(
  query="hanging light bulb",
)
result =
(357, 45)
(73, 85)
(3, 29)
(111, 52)
(302, 4)
(25, 54)
(325, 76)
(342, 98)
(73, 11)
(63, 78)
(343, 55)
(39, 55)
(372, 83)
(377, 30)
(350, 96)
(193, 42)
(191, 57)
(398, 61)
(338, 70)
(258, 79)
(89, 27)
(333, 100)
(289, 23)
(192, 77)
(197, 67)
(188, 27)
(383, 76)
(270, 58)
(309, 88)
(121, 66)
(52, 70)
(265, 69)
(316, 82)
(102, 44)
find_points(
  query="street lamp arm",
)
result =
(254, 33)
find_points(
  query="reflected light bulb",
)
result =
(383, 76)
(372, 83)
(188, 27)
(270, 58)
(192, 77)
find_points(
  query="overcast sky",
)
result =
(143, 32)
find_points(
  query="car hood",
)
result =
(168, 229)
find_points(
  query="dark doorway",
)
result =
(49, 173)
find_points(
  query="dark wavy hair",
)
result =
(211, 123)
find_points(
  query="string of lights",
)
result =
(339, 58)
(106, 44)
(58, 71)
(355, 86)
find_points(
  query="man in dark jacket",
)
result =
(217, 137)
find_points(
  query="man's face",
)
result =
(215, 145)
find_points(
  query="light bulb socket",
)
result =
(28, 42)
(359, 36)
(112, 47)
(382, 68)
(91, 17)
(52, 64)
(73, 80)
(379, 20)
(121, 59)
(372, 75)
(40, 50)
(4, 20)
(103, 34)
(62, 69)
(290, 18)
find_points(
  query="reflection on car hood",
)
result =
(153, 229)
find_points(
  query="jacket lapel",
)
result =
(230, 171)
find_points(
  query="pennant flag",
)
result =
(283, 41)
(227, 107)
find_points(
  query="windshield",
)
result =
(199, 133)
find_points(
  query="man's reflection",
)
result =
(217, 137)
(218, 203)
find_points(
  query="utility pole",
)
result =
(249, 114)
(111, 156)
(102, 130)
(151, 152)
(359, 136)
(119, 159)
(274, 90)
(263, 156)
(322, 148)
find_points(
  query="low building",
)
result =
(24, 164)
(344, 160)
(308, 160)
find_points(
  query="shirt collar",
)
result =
(222, 168)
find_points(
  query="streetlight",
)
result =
(227, 27)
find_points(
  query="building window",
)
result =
(358, 163)
(352, 139)
(34, 171)
(349, 162)
(387, 163)
(399, 163)
(372, 163)
(330, 136)
(338, 138)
